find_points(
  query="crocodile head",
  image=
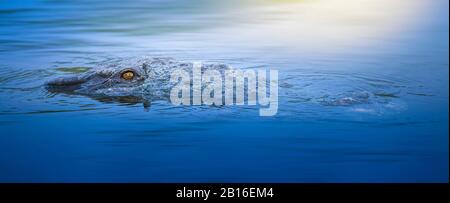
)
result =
(111, 81)
(124, 81)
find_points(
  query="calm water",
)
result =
(393, 53)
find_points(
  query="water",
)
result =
(363, 92)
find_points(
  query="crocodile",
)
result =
(145, 80)
(126, 81)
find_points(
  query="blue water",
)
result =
(396, 52)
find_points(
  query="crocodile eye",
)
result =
(128, 75)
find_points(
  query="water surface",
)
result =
(391, 58)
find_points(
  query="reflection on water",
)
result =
(363, 92)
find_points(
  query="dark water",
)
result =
(394, 54)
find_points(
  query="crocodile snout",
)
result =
(66, 81)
